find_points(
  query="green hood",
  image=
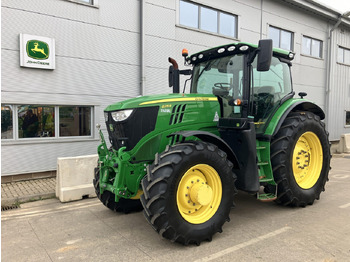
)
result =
(144, 101)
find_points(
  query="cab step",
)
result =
(266, 197)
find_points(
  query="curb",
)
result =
(341, 155)
(24, 199)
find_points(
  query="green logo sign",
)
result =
(37, 49)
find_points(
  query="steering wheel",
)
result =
(223, 86)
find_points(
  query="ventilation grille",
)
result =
(5, 208)
(177, 114)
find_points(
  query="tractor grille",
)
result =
(177, 114)
(128, 133)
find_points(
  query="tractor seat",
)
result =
(265, 90)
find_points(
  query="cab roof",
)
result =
(234, 48)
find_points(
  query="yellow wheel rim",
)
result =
(307, 160)
(199, 194)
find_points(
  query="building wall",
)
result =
(97, 64)
(98, 60)
(339, 91)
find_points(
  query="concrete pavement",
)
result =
(87, 231)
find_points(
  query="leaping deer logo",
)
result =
(36, 49)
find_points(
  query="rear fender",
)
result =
(292, 105)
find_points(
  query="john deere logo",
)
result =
(37, 49)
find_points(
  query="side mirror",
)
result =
(264, 55)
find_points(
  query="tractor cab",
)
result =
(250, 81)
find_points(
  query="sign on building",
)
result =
(37, 51)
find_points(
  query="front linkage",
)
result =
(117, 173)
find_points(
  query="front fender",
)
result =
(213, 139)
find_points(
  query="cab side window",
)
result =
(268, 88)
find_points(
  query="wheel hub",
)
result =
(201, 194)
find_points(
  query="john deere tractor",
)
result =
(181, 157)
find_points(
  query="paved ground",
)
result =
(87, 231)
(24, 191)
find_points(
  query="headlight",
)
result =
(121, 115)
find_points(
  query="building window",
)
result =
(36, 121)
(347, 118)
(40, 121)
(88, 2)
(343, 55)
(311, 47)
(281, 38)
(6, 122)
(75, 121)
(207, 19)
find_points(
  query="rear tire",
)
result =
(188, 192)
(108, 199)
(300, 158)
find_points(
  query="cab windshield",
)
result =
(221, 76)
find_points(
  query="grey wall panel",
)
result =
(339, 94)
(73, 39)
(120, 14)
(170, 4)
(60, 9)
(22, 158)
(126, 11)
(72, 79)
(160, 21)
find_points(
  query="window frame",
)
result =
(280, 35)
(218, 14)
(344, 49)
(312, 39)
(91, 3)
(57, 138)
(345, 124)
(13, 122)
(91, 122)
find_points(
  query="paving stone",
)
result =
(24, 191)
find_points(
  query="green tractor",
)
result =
(182, 157)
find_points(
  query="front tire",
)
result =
(188, 192)
(108, 198)
(300, 158)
